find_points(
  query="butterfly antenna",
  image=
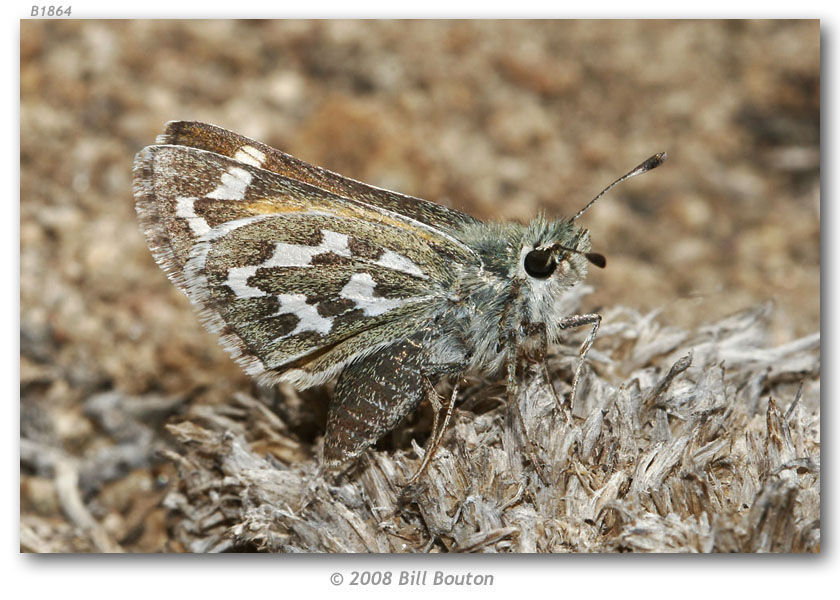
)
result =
(650, 164)
(599, 260)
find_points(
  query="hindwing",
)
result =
(296, 278)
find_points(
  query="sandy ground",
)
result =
(498, 119)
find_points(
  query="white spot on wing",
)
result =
(310, 320)
(285, 255)
(237, 280)
(234, 184)
(194, 269)
(398, 262)
(293, 255)
(185, 209)
(360, 290)
(250, 156)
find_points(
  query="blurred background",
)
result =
(500, 119)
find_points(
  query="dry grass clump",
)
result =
(677, 442)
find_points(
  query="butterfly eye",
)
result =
(540, 263)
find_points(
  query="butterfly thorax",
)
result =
(496, 303)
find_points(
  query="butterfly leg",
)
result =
(513, 403)
(579, 321)
(539, 329)
(437, 434)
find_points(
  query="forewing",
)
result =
(227, 143)
(297, 280)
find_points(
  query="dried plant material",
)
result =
(681, 452)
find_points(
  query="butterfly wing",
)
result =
(297, 280)
(227, 143)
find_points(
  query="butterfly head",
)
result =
(556, 254)
(562, 247)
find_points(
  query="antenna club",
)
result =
(654, 161)
(599, 260)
